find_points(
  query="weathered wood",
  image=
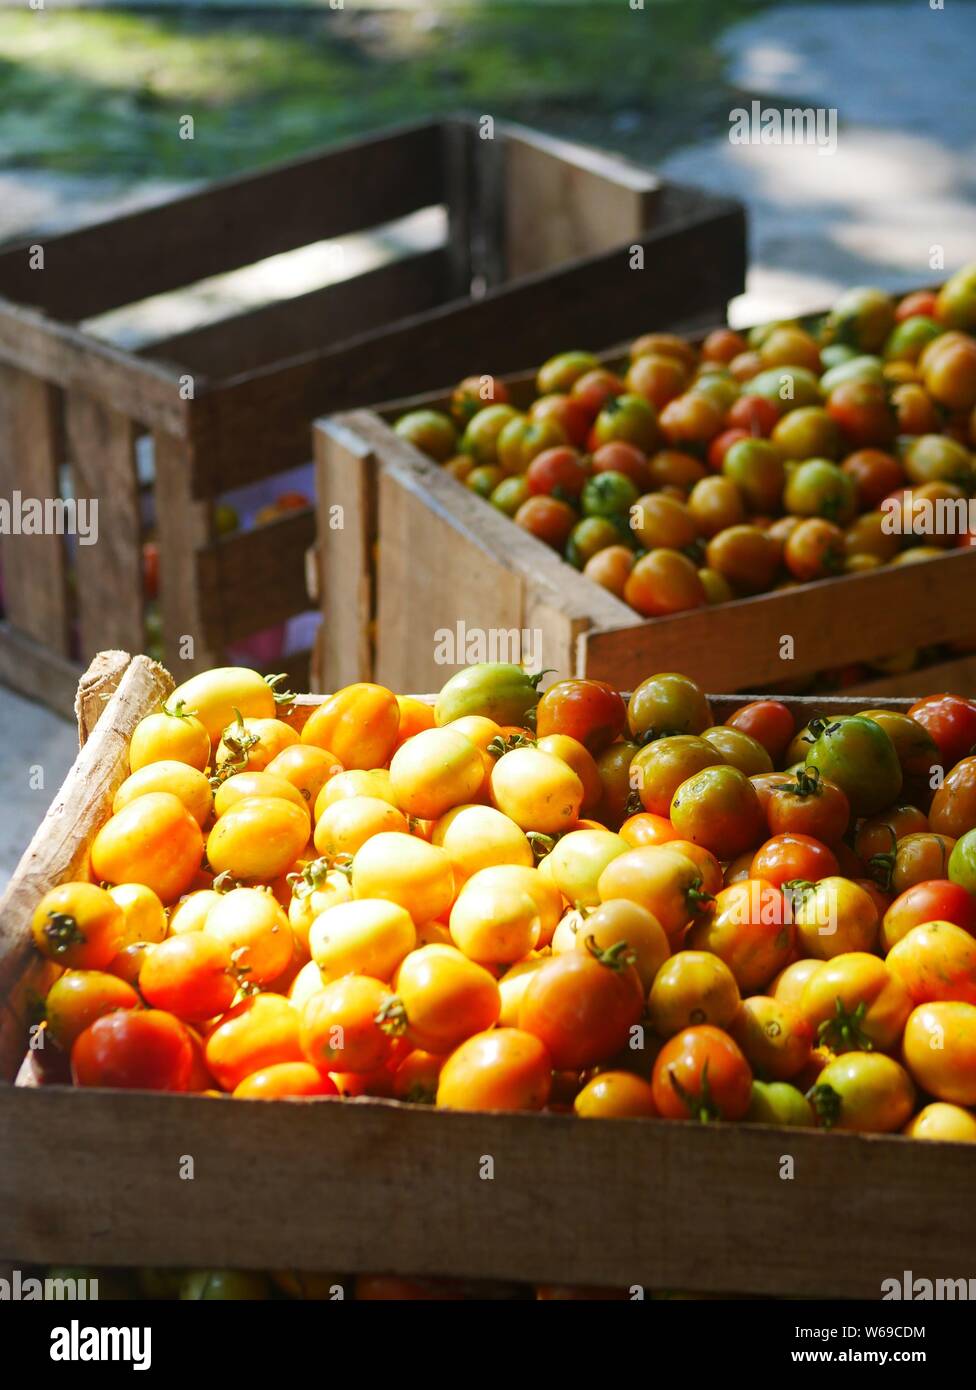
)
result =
(38, 672)
(184, 526)
(59, 849)
(957, 676)
(254, 579)
(346, 502)
(35, 590)
(109, 573)
(230, 224)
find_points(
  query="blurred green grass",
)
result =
(101, 92)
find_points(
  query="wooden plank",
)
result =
(260, 422)
(254, 579)
(958, 676)
(35, 568)
(65, 356)
(345, 489)
(108, 574)
(740, 643)
(59, 849)
(34, 670)
(615, 1202)
(562, 203)
(457, 156)
(229, 224)
(286, 328)
(183, 526)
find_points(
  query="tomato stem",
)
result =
(615, 957)
(843, 1032)
(391, 1017)
(62, 932)
(827, 1104)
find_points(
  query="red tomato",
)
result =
(594, 388)
(582, 1005)
(134, 1049)
(934, 900)
(701, 1074)
(809, 805)
(548, 519)
(951, 720)
(620, 457)
(558, 472)
(722, 443)
(753, 413)
(786, 858)
(570, 415)
(592, 712)
(769, 722)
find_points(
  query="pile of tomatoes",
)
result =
(507, 901)
(688, 475)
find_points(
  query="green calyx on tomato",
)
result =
(807, 782)
(701, 1107)
(843, 1032)
(616, 957)
(391, 1017)
(826, 1103)
(501, 744)
(281, 697)
(62, 932)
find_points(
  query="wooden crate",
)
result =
(420, 553)
(541, 226)
(92, 1176)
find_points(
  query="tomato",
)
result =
(646, 828)
(608, 495)
(559, 373)
(936, 962)
(705, 862)
(371, 936)
(480, 438)
(557, 472)
(133, 1049)
(250, 744)
(747, 557)
(715, 504)
(576, 756)
(153, 841)
(242, 784)
(864, 1091)
(186, 783)
(962, 862)
(215, 697)
(673, 469)
(701, 1074)
(434, 771)
(613, 765)
(667, 704)
(789, 857)
(778, 1103)
(940, 1050)
(358, 725)
(810, 805)
(80, 997)
(856, 1003)
(404, 870)
(258, 1032)
(657, 377)
(953, 809)
(749, 928)
(628, 418)
(814, 550)
(78, 925)
(615, 1095)
(441, 998)
(477, 837)
(172, 734)
(503, 1069)
(495, 918)
(663, 582)
(415, 1079)
(258, 838)
(191, 976)
(755, 466)
(775, 1038)
(536, 790)
(834, 916)
(577, 861)
(494, 690)
(662, 880)
(874, 473)
(583, 1004)
(474, 392)
(951, 720)
(660, 767)
(769, 722)
(719, 809)
(285, 1080)
(692, 987)
(692, 418)
(255, 929)
(590, 711)
(948, 1123)
(659, 520)
(339, 1028)
(568, 413)
(739, 750)
(619, 920)
(789, 984)
(948, 367)
(549, 519)
(935, 900)
(857, 755)
(917, 857)
(430, 431)
(359, 782)
(917, 750)
(595, 387)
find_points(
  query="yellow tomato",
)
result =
(169, 735)
(691, 988)
(477, 837)
(369, 936)
(215, 696)
(306, 767)
(864, 1091)
(441, 998)
(191, 912)
(250, 744)
(855, 1002)
(479, 729)
(347, 825)
(254, 926)
(315, 889)
(789, 984)
(145, 916)
(255, 784)
(615, 1095)
(577, 756)
(536, 790)
(358, 725)
(834, 917)
(185, 782)
(940, 1050)
(949, 1123)
(513, 985)
(358, 782)
(663, 880)
(620, 920)
(495, 919)
(155, 841)
(258, 838)
(578, 860)
(434, 771)
(404, 870)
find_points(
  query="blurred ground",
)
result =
(90, 101)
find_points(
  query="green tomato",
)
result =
(957, 299)
(509, 494)
(589, 536)
(962, 862)
(630, 418)
(858, 755)
(211, 1285)
(496, 689)
(608, 494)
(430, 431)
(860, 368)
(835, 353)
(480, 438)
(820, 488)
(560, 372)
(665, 704)
(778, 1103)
(861, 317)
(786, 388)
(906, 339)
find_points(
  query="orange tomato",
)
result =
(254, 927)
(79, 997)
(936, 962)
(154, 841)
(339, 1028)
(78, 925)
(249, 745)
(257, 838)
(701, 1074)
(358, 725)
(256, 1033)
(615, 1095)
(503, 1069)
(749, 928)
(285, 1080)
(775, 1038)
(441, 998)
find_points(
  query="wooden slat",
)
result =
(260, 422)
(108, 573)
(36, 671)
(560, 203)
(957, 676)
(183, 526)
(662, 1204)
(65, 356)
(230, 224)
(457, 157)
(255, 579)
(346, 502)
(286, 328)
(857, 616)
(35, 589)
(59, 849)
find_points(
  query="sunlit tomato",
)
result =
(286, 1080)
(747, 557)
(590, 711)
(191, 912)
(407, 871)
(692, 987)
(215, 697)
(917, 858)
(133, 1049)
(701, 1074)
(345, 826)
(495, 919)
(154, 841)
(305, 767)
(549, 519)
(339, 1028)
(664, 581)
(739, 750)
(789, 857)
(242, 784)
(582, 1005)
(667, 703)
(416, 1077)
(937, 900)
(619, 920)
(766, 783)
(962, 862)
(256, 1033)
(536, 790)
(257, 839)
(646, 828)
(769, 722)
(615, 1095)
(860, 757)
(250, 744)
(358, 725)
(775, 1038)
(503, 1069)
(578, 860)
(434, 771)
(940, 1050)
(184, 782)
(947, 1123)
(172, 734)
(660, 879)
(951, 720)
(191, 976)
(576, 756)
(78, 925)
(855, 1003)
(477, 837)
(660, 767)
(360, 782)
(749, 928)
(953, 809)
(809, 805)
(254, 927)
(936, 962)
(80, 997)
(719, 809)
(703, 860)
(441, 998)
(513, 984)
(369, 935)
(129, 961)
(834, 916)
(863, 1091)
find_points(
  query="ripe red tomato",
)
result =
(191, 976)
(934, 900)
(558, 472)
(790, 857)
(951, 720)
(548, 519)
(134, 1049)
(582, 1005)
(862, 411)
(769, 722)
(620, 457)
(592, 712)
(753, 413)
(809, 805)
(701, 1074)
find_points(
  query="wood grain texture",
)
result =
(957, 675)
(35, 568)
(38, 672)
(255, 579)
(184, 525)
(59, 849)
